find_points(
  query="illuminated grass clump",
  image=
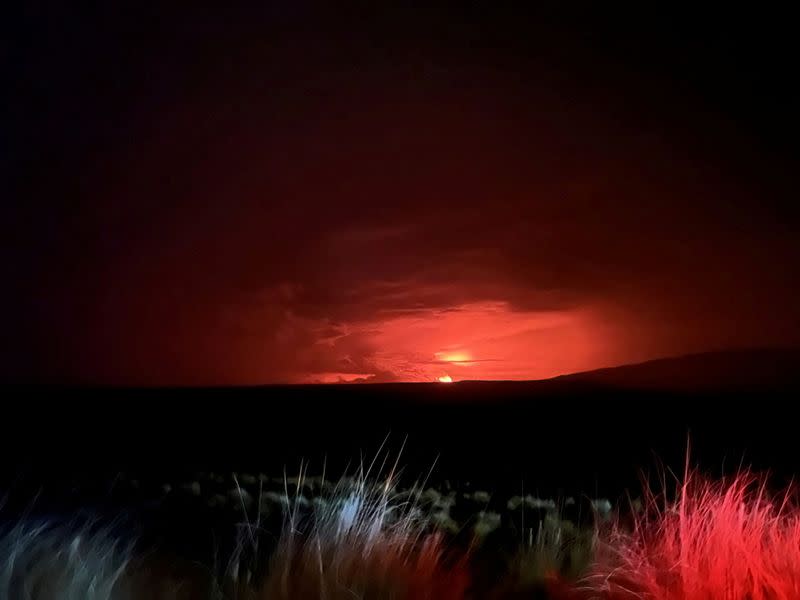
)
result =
(727, 540)
(365, 542)
(45, 561)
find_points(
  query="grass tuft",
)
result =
(45, 561)
(726, 540)
(367, 541)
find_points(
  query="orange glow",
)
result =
(456, 358)
(471, 341)
(502, 343)
(334, 378)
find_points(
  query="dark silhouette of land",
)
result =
(590, 431)
(733, 370)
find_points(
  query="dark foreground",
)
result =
(586, 434)
(190, 471)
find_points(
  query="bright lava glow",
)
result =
(487, 341)
(457, 358)
(445, 379)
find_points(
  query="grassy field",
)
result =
(363, 537)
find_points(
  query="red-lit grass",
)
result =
(728, 540)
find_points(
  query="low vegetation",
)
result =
(703, 540)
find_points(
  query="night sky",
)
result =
(291, 193)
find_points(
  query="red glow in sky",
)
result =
(455, 244)
(325, 212)
(485, 340)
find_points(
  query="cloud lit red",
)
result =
(485, 340)
(399, 222)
